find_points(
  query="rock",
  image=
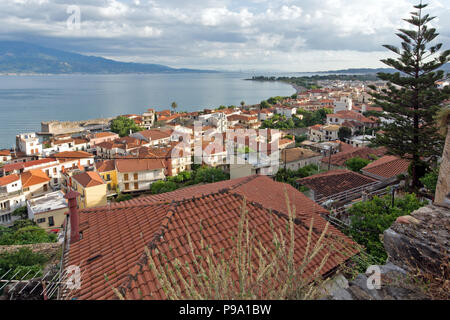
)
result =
(422, 244)
(407, 220)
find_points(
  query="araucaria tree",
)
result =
(411, 98)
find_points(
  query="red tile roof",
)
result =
(111, 253)
(5, 152)
(8, 179)
(136, 165)
(104, 166)
(155, 134)
(23, 165)
(71, 155)
(333, 182)
(89, 179)
(387, 167)
(339, 159)
(33, 177)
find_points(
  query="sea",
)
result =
(26, 101)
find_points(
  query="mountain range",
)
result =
(20, 57)
(445, 68)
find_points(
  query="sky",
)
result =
(247, 35)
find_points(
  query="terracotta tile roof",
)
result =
(114, 238)
(89, 179)
(333, 182)
(387, 167)
(8, 179)
(155, 134)
(339, 159)
(296, 154)
(23, 165)
(5, 152)
(104, 134)
(33, 177)
(104, 166)
(136, 165)
(71, 155)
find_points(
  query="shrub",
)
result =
(163, 186)
(356, 164)
(22, 261)
(371, 218)
(123, 197)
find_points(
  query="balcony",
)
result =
(5, 195)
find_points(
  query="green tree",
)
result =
(174, 106)
(123, 125)
(264, 105)
(430, 179)
(371, 218)
(356, 164)
(209, 175)
(22, 212)
(123, 197)
(411, 99)
(27, 235)
(242, 103)
(21, 262)
(163, 187)
(344, 133)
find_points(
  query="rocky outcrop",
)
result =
(443, 186)
(421, 240)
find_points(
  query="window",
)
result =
(127, 186)
(109, 186)
(136, 186)
(54, 170)
(135, 176)
(45, 187)
(125, 176)
(47, 172)
(41, 220)
(108, 177)
(51, 222)
(55, 180)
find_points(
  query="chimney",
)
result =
(72, 196)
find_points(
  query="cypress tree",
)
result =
(411, 99)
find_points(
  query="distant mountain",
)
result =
(446, 68)
(20, 57)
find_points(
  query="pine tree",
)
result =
(411, 98)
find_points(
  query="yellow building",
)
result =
(107, 170)
(92, 189)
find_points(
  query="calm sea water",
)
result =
(25, 101)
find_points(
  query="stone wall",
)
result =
(66, 127)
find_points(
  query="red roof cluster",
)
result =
(111, 253)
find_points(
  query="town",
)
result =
(318, 144)
(340, 191)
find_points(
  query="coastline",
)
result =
(25, 104)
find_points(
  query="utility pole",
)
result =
(329, 158)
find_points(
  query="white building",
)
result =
(288, 112)
(345, 103)
(11, 198)
(29, 144)
(361, 141)
(217, 120)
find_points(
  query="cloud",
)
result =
(285, 35)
